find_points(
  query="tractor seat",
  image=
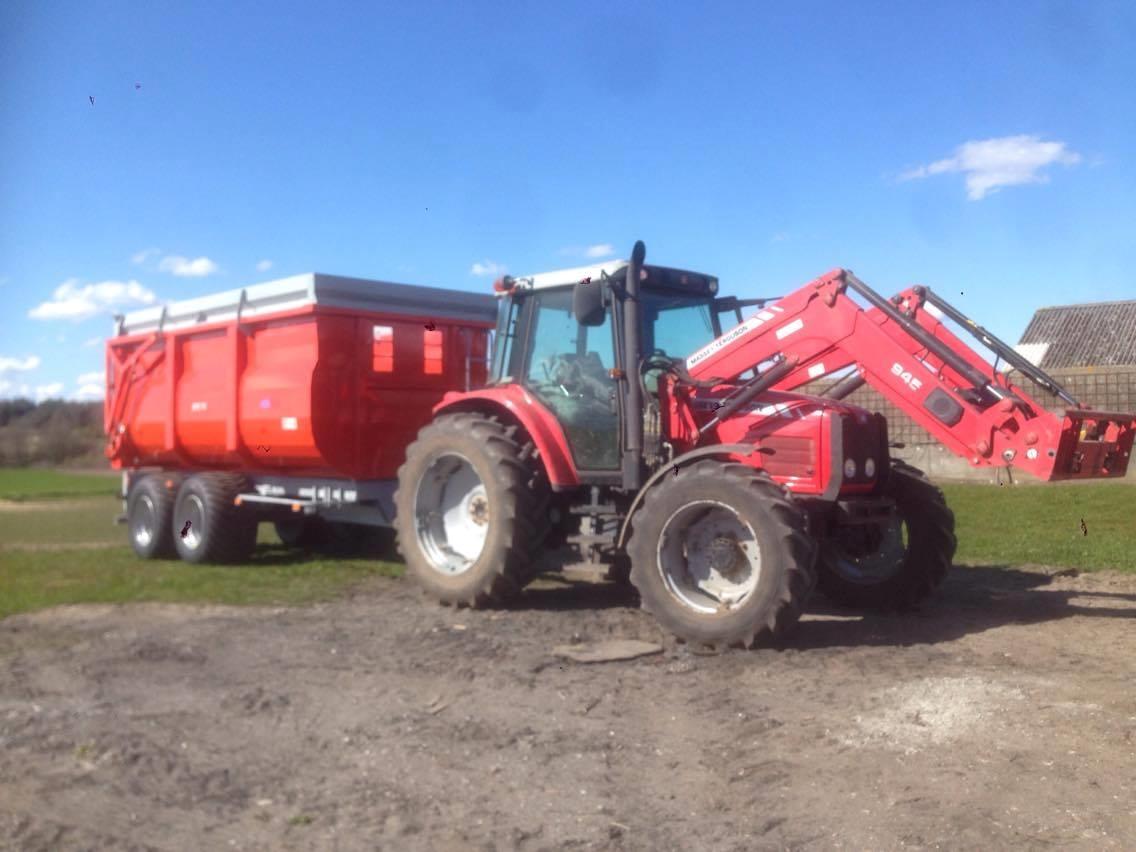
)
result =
(592, 365)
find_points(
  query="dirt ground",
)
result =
(1001, 715)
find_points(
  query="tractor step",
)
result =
(592, 509)
(593, 538)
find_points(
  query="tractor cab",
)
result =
(563, 336)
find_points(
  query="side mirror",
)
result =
(587, 303)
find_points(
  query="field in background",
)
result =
(1041, 524)
(59, 544)
(33, 483)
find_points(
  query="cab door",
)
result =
(568, 366)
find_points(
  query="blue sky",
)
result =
(984, 149)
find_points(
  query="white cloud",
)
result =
(487, 268)
(17, 365)
(600, 250)
(144, 255)
(264, 266)
(98, 377)
(72, 301)
(595, 251)
(50, 391)
(11, 390)
(93, 341)
(991, 164)
(183, 267)
(90, 392)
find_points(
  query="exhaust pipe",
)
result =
(633, 396)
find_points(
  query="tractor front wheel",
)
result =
(465, 517)
(720, 555)
(891, 567)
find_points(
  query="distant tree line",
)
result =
(50, 432)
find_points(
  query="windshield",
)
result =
(676, 323)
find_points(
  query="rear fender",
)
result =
(513, 402)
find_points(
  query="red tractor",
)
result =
(622, 422)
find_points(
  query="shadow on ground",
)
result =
(972, 600)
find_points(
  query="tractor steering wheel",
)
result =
(658, 360)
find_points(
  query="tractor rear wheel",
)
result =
(149, 514)
(720, 555)
(894, 567)
(466, 518)
(215, 529)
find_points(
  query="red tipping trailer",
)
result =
(297, 395)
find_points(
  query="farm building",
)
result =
(1089, 349)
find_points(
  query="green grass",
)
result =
(33, 580)
(1042, 524)
(84, 558)
(105, 570)
(33, 483)
(87, 520)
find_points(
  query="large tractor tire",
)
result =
(720, 555)
(218, 531)
(467, 519)
(892, 569)
(149, 516)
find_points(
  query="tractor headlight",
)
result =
(849, 468)
(870, 467)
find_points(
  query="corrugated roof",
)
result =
(1094, 335)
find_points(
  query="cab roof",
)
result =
(612, 269)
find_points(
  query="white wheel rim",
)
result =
(708, 557)
(451, 514)
(145, 521)
(194, 511)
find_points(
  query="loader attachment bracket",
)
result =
(1094, 445)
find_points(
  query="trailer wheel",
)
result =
(720, 555)
(149, 514)
(465, 515)
(218, 531)
(892, 568)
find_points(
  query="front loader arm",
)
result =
(906, 353)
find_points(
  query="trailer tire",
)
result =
(720, 555)
(149, 516)
(467, 534)
(916, 571)
(219, 531)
